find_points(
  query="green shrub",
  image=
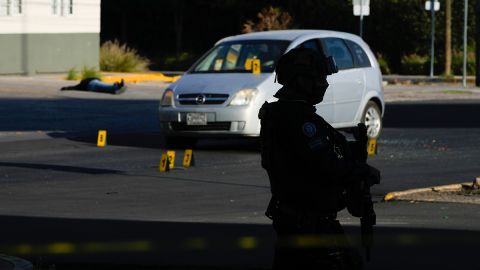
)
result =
(382, 61)
(414, 64)
(120, 58)
(72, 74)
(90, 72)
(457, 62)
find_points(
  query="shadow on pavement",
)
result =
(155, 140)
(77, 115)
(62, 168)
(178, 245)
(131, 123)
(432, 115)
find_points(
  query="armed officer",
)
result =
(310, 167)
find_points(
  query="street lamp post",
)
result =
(361, 18)
(361, 8)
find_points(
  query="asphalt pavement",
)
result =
(65, 201)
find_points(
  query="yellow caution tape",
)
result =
(247, 242)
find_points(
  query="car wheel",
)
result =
(372, 118)
(175, 142)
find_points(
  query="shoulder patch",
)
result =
(309, 129)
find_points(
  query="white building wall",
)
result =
(37, 17)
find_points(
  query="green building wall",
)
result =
(30, 54)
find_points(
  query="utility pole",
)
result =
(477, 41)
(448, 37)
(465, 45)
(432, 6)
(432, 48)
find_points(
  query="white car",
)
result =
(221, 94)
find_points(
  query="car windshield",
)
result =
(232, 56)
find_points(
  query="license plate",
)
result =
(196, 119)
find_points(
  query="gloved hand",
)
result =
(373, 177)
(365, 171)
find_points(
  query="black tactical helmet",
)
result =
(303, 61)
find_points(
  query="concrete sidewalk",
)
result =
(436, 91)
(51, 83)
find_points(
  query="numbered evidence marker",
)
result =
(188, 158)
(171, 159)
(253, 65)
(248, 64)
(256, 66)
(164, 165)
(102, 138)
(372, 147)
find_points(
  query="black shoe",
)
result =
(121, 88)
(67, 88)
(119, 84)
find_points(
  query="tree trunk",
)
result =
(448, 37)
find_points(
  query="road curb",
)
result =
(391, 196)
(14, 263)
(138, 77)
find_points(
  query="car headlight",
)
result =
(243, 97)
(167, 98)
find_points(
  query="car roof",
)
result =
(289, 35)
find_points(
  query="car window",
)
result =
(232, 56)
(338, 49)
(310, 44)
(360, 57)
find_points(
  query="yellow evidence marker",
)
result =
(248, 64)
(171, 159)
(188, 158)
(256, 66)
(164, 164)
(102, 138)
(372, 147)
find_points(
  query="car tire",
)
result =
(372, 118)
(176, 142)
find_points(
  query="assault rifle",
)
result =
(359, 198)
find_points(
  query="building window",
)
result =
(70, 7)
(10, 7)
(62, 7)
